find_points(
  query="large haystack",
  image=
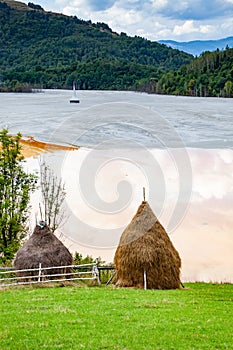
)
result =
(45, 248)
(145, 246)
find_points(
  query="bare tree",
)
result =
(53, 196)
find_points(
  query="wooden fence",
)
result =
(11, 277)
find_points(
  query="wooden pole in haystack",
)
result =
(145, 280)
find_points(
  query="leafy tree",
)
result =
(15, 189)
(80, 260)
(228, 87)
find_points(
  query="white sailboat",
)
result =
(74, 98)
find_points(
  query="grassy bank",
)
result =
(199, 317)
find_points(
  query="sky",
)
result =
(180, 20)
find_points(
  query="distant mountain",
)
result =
(51, 50)
(196, 47)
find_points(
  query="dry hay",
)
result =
(145, 246)
(45, 248)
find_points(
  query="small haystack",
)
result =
(145, 246)
(45, 248)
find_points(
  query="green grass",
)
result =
(199, 317)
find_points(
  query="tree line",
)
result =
(211, 74)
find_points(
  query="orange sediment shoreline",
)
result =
(33, 148)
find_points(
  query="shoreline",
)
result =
(33, 148)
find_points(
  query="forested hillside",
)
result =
(211, 74)
(49, 50)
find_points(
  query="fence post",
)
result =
(145, 280)
(39, 274)
(95, 271)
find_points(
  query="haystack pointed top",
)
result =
(141, 223)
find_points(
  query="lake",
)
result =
(178, 148)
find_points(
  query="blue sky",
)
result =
(180, 20)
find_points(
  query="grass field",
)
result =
(198, 317)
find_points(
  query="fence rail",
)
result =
(11, 277)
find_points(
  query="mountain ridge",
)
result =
(196, 47)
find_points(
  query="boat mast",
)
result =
(74, 90)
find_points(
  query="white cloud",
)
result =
(215, 184)
(227, 24)
(206, 29)
(159, 4)
(180, 20)
(118, 16)
(186, 28)
(61, 2)
(157, 28)
(80, 8)
(189, 27)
